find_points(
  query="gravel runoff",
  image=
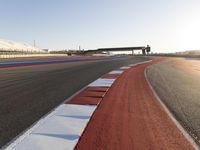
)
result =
(179, 90)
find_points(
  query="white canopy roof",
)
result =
(8, 45)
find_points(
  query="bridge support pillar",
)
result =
(143, 51)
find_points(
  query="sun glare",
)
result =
(189, 32)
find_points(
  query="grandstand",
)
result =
(11, 47)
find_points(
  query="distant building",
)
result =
(46, 50)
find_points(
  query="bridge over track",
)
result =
(144, 49)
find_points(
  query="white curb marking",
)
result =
(101, 82)
(116, 72)
(60, 130)
(125, 67)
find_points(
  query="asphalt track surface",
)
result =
(41, 61)
(130, 117)
(177, 82)
(27, 93)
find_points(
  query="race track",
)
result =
(29, 92)
(177, 82)
(130, 117)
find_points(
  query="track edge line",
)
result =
(179, 126)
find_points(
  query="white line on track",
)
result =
(184, 132)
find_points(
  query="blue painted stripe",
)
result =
(39, 62)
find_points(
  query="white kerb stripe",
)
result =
(116, 72)
(132, 65)
(60, 131)
(101, 82)
(125, 67)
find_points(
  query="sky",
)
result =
(166, 25)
